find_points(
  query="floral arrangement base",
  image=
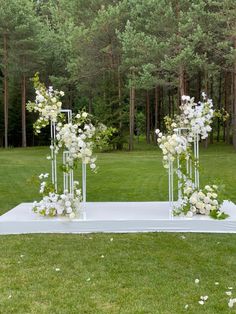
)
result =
(116, 217)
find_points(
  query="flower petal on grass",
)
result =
(229, 293)
(197, 280)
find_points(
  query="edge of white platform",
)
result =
(116, 217)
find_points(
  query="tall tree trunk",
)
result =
(5, 88)
(147, 118)
(199, 80)
(23, 113)
(156, 125)
(131, 118)
(227, 107)
(90, 104)
(169, 102)
(119, 96)
(219, 107)
(234, 97)
(182, 82)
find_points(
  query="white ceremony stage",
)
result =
(117, 217)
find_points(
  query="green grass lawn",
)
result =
(139, 273)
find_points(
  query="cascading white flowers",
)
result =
(77, 137)
(191, 125)
(171, 146)
(55, 204)
(204, 202)
(197, 117)
(47, 104)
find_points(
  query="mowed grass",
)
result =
(115, 273)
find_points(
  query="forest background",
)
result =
(127, 62)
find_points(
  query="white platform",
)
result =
(116, 217)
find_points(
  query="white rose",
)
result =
(200, 205)
(193, 200)
(189, 214)
(68, 203)
(206, 200)
(68, 210)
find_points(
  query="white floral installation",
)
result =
(77, 138)
(80, 138)
(192, 124)
(56, 204)
(47, 104)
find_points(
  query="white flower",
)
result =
(231, 302)
(62, 93)
(197, 281)
(84, 114)
(68, 203)
(189, 214)
(72, 215)
(229, 293)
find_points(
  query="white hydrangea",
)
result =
(171, 146)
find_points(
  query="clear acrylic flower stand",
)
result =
(191, 170)
(68, 176)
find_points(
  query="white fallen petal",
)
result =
(216, 283)
(111, 239)
(201, 302)
(231, 303)
(197, 280)
(229, 293)
(57, 269)
(102, 256)
(186, 306)
(88, 279)
(10, 296)
(230, 288)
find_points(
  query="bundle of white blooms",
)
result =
(202, 202)
(197, 117)
(78, 139)
(47, 103)
(54, 204)
(171, 146)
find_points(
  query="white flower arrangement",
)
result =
(190, 126)
(47, 104)
(79, 139)
(55, 204)
(197, 117)
(203, 202)
(171, 145)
